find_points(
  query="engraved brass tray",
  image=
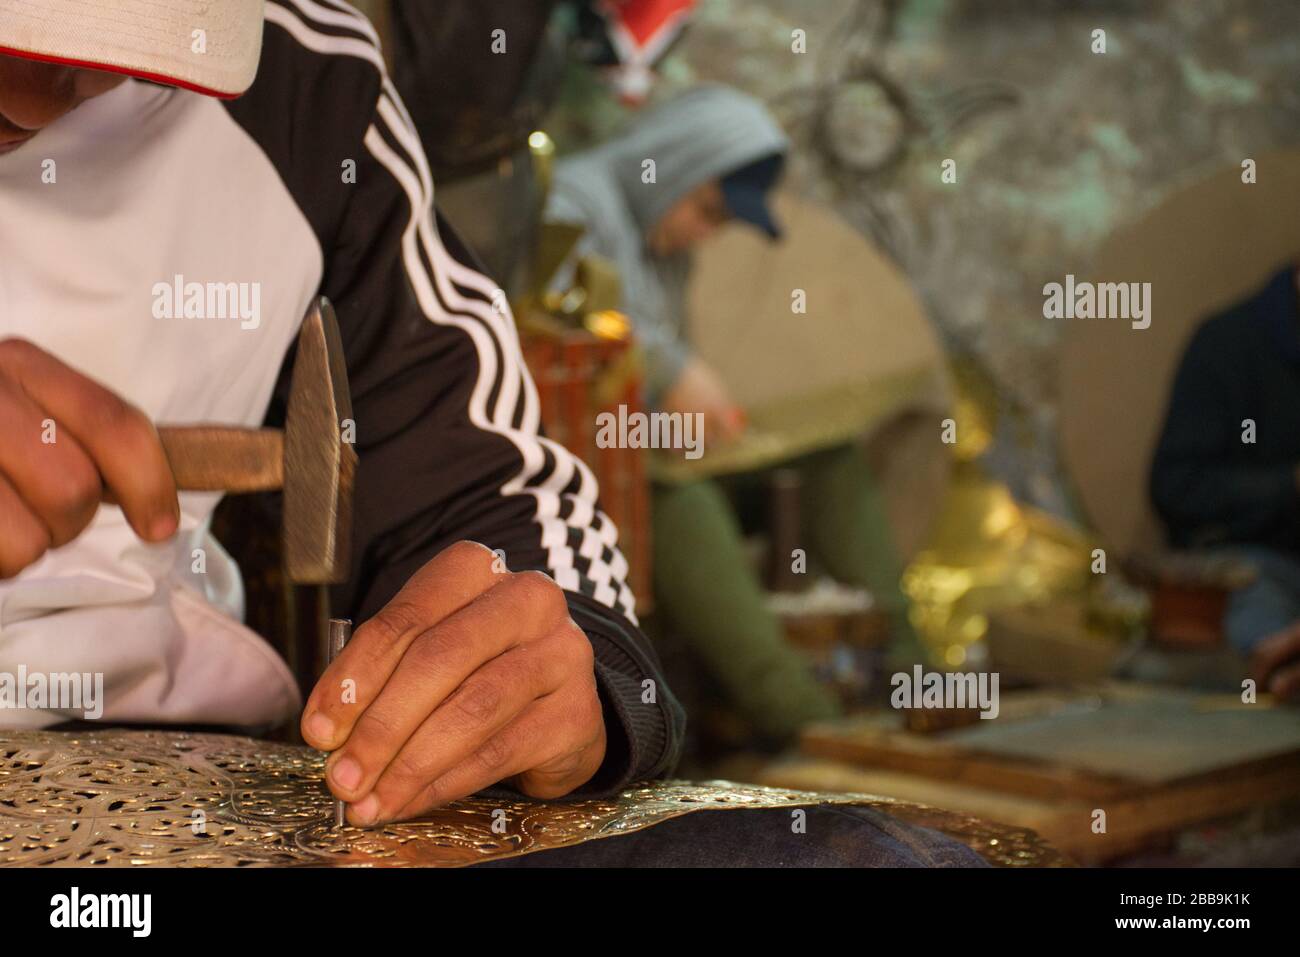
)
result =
(171, 798)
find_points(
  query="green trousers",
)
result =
(710, 598)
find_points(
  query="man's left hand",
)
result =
(472, 675)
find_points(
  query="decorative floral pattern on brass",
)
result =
(146, 798)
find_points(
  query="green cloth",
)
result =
(711, 600)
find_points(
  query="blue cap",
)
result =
(746, 189)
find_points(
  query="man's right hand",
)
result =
(67, 443)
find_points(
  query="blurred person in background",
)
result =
(1214, 489)
(717, 154)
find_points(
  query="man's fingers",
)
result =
(23, 537)
(505, 754)
(57, 480)
(487, 701)
(119, 439)
(549, 732)
(443, 586)
(575, 767)
(447, 660)
(558, 777)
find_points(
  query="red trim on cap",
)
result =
(121, 70)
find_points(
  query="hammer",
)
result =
(310, 459)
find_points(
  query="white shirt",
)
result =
(82, 253)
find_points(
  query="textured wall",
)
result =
(1054, 145)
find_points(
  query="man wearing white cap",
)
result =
(144, 155)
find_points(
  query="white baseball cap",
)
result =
(210, 46)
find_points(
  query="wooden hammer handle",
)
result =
(214, 458)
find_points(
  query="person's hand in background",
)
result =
(1275, 663)
(66, 445)
(700, 389)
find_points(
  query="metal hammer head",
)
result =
(319, 460)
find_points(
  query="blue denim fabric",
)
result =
(1269, 604)
(835, 836)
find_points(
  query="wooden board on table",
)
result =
(881, 743)
(1156, 760)
(1142, 735)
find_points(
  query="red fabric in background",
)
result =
(644, 19)
(640, 32)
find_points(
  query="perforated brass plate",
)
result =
(117, 798)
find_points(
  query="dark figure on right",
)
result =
(1226, 473)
